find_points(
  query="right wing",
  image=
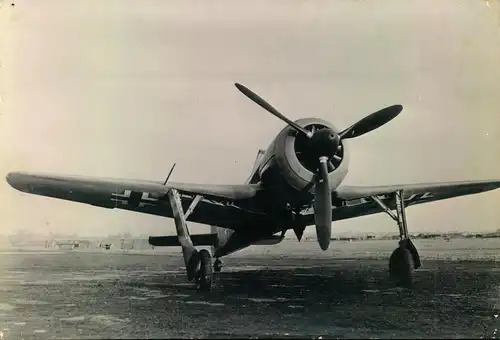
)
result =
(216, 208)
(431, 191)
(356, 201)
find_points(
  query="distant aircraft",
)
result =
(295, 183)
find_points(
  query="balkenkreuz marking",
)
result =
(122, 198)
(147, 201)
(134, 199)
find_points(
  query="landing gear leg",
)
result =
(198, 263)
(404, 259)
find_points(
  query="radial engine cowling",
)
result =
(296, 159)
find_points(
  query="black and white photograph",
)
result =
(318, 169)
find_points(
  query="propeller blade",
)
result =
(371, 122)
(266, 106)
(323, 205)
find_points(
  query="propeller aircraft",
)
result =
(296, 182)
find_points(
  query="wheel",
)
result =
(217, 266)
(401, 266)
(204, 279)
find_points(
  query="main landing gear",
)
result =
(204, 276)
(404, 259)
(198, 263)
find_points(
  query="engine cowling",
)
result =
(292, 159)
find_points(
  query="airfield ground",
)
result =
(288, 290)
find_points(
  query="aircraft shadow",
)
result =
(319, 285)
(352, 294)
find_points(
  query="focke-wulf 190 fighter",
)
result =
(295, 183)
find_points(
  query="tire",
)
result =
(401, 266)
(205, 274)
(217, 266)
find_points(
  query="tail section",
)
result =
(173, 241)
(222, 234)
(214, 230)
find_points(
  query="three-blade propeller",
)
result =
(324, 144)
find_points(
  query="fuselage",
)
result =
(283, 172)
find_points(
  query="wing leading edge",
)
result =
(356, 201)
(439, 190)
(142, 196)
(28, 182)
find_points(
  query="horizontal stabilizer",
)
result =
(275, 239)
(173, 241)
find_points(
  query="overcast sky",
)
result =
(123, 88)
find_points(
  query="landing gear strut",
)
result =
(198, 263)
(404, 259)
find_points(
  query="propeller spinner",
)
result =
(322, 145)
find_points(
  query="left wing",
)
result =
(216, 208)
(355, 201)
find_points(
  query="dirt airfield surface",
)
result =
(289, 290)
